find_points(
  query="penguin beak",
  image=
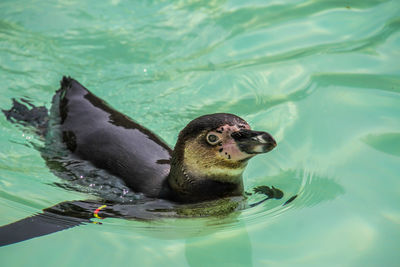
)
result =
(253, 142)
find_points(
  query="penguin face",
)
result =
(238, 142)
(219, 146)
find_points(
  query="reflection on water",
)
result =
(321, 76)
(234, 249)
(310, 189)
(387, 143)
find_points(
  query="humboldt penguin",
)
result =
(206, 163)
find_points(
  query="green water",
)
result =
(323, 77)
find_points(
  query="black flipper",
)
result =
(54, 219)
(69, 214)
(35, 226)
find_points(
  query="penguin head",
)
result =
(217, 147)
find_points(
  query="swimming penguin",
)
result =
(206, 163)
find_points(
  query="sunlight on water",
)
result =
(321, 76)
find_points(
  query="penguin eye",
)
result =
(212, 139)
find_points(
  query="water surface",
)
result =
(321, 76)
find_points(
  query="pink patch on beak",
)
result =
(228, 147)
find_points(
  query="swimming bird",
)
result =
(207, 162)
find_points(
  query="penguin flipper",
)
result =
(35, 226)
(60, 217)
